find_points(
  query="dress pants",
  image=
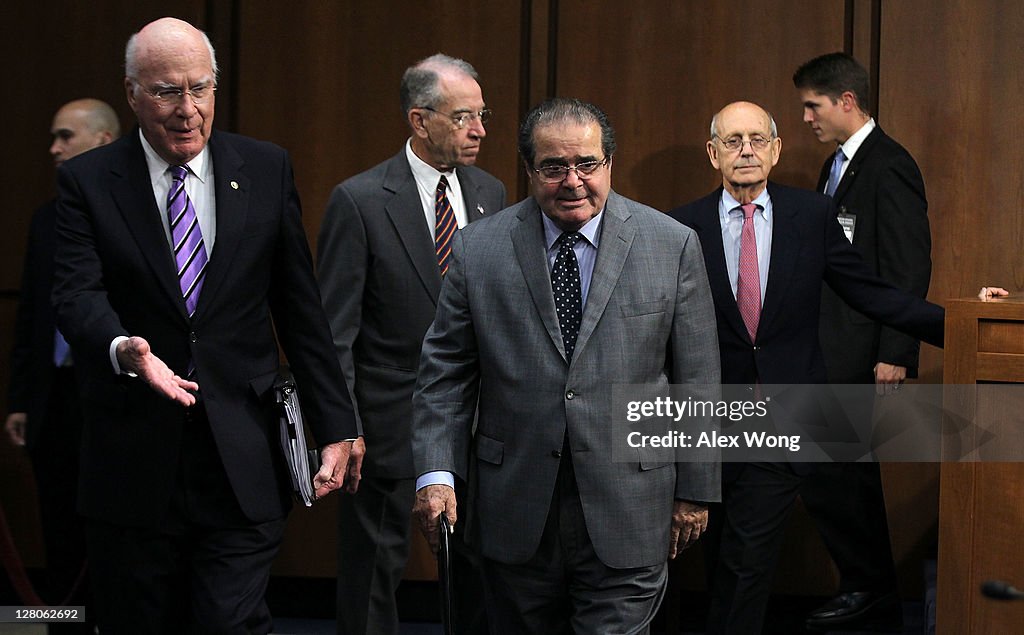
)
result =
(747, 535)
(373, 547)
(203, 569)
(55, 467)
(564, 587)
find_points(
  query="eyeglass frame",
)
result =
(461, 120)
(178, 94)
(573, 168)
(742, 142)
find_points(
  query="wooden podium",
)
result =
(981, 504)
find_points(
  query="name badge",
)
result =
(848, 222)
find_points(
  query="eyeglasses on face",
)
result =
(462, 119)
(166, 96)
(732, 144)
(557, 173)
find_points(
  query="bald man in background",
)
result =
(44, 416)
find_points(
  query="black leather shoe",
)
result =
(871, 611)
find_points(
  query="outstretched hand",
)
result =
(134, 355)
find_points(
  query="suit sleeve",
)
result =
(850, 277)
(447, 386)
(695, 360)
(342, 261)
(904, 249)
(302, 326)
(83, 311)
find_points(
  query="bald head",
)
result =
(170, 79)
(744, 147)
(166, 38)
(80, 125)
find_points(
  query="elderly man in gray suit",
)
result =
(382, 253)
(547, 304)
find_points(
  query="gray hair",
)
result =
(773, 129)
(420, 86)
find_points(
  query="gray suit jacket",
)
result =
(379, 281)
(495, 342)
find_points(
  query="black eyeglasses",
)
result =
(557, 173)
(460, 119)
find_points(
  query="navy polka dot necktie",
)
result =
(565, 283)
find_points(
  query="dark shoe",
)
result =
(871, 611)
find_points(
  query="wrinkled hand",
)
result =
(889, 378)
(15, 427)
(431, 502)
(334, 467)
(134, 355)
(988, 293)
(689, 521)
(354, 471)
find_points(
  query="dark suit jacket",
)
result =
(32, 369)
(808, 248)
(380, 280)
(883, 189)
(116, 276)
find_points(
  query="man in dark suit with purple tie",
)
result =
(183, 483)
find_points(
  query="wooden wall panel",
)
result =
(661, 69)
(321, 79)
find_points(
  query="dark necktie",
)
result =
(187, 237)
(444, 225)
(748, 285)
(836, 173)
(565, 283)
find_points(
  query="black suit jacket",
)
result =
(116, 276)
(883, 190)
(380, 281)
(808, 248)
(32, 369)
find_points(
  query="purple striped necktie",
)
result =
(445, 225)
(187, 237)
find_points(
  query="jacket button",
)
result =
(556, 454)
(193, 337)
(570, 395)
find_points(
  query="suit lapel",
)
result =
(133, 194)
(616, 240)
(528, 243)
(850, 176)
(471, 196)
(232, 189)
(405, 209)
(709, 230)
(784, 257)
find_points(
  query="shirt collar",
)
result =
(729, 204)
(423, 171)
(856, 140)
(199, 165)
(591, 231)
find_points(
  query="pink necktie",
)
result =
(748, 286)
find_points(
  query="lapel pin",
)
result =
(480, 209)
(234, 185)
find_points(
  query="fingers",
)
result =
(431, 502)
(353, 472)
(988, 293)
